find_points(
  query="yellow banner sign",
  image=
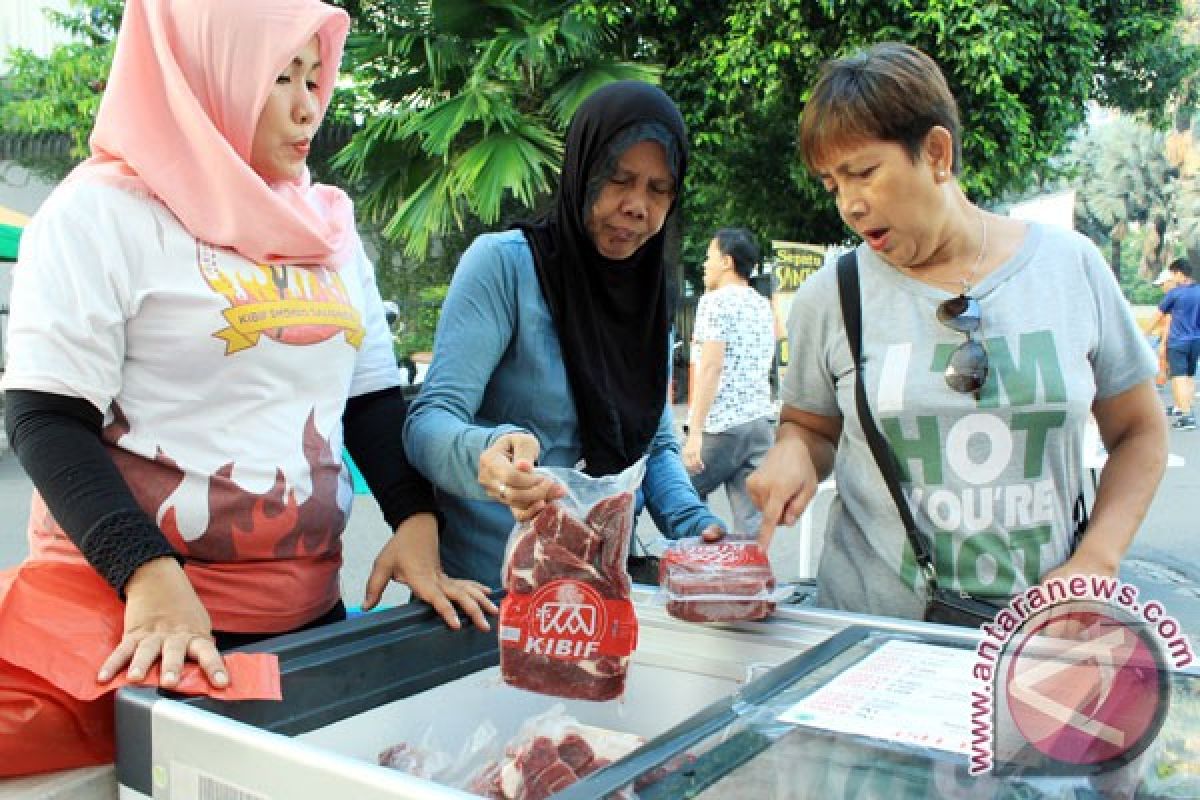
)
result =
(794, 262)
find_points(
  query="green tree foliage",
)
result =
(461, 104)
(1022, 72)
(1138, 289)
(1121, 175)
(61, 92)
(419, 318)
(1187, 215)
(1125, 181)
(464, 103)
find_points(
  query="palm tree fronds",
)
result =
(430, 210)
(440, 125)
(567, 97)
(522, 162)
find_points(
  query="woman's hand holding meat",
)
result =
(506, 473)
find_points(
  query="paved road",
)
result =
(1164, 562)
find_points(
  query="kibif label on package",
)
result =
(568, 620)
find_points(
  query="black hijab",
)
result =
(612, 317)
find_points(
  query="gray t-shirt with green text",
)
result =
(992, 481)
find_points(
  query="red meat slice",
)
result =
(521, 563)
(537, 755)
(611, 513)
(613, 518)
(550, 780)
(609, 665)
(542, 771)
(576, 752)
(570, 679)
(584, 541)
(549, 522)
(556, 563)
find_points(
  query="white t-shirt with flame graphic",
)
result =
(222, 384)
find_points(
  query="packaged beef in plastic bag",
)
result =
(442, 753)
(551, 752)
(725, 581)
(567, 625)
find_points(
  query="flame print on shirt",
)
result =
(290, 304)
(242, 525)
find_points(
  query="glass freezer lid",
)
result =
(898, 715)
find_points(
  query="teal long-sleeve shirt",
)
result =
(497, 368)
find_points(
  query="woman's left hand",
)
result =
(1084, 562)
(411, 557)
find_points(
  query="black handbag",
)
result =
(642, 567)
(947, 606)
(951, 607)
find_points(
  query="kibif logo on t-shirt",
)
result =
(289, 304)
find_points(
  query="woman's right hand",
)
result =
(782, 486)
(164, 621)
(506, 474)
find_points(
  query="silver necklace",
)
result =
(964, 283)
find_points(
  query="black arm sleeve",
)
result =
(57, 440)
(373, 425)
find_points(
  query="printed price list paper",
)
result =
(905, 692)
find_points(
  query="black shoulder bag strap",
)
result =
(851, 301)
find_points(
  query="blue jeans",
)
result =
(729, 457)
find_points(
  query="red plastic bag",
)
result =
(42, 728)
(58, 622)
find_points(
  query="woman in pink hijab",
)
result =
(196, 335)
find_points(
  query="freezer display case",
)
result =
(877, 712)
(354, 689)
(805, 704)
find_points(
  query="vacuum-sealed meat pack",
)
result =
(567, 625)
(725, 581)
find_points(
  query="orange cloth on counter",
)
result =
(58, 623)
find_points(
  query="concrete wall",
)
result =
(20, 190)
(23, 24)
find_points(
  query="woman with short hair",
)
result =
(987, 342)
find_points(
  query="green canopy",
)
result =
(10, 237)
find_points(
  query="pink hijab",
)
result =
(188, 82)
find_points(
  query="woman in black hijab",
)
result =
(554, 347)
